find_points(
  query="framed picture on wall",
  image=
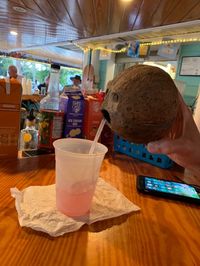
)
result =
(190, 66)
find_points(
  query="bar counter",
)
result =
(33, 97)
(164, 232)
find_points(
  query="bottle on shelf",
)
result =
(24, 89)
(28, 87)
(51, 116)
(29, 135)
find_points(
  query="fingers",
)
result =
(162, 146)
(177, 126)
(188, 120)
(184, 107)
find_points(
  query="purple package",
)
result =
(73, 127)
(63, 103)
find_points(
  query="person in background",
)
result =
(76, 80)
(44, 85)
(76, 84)
(184, 148)
(12, 71)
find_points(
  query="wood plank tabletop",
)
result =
(164, 232)
(33, 97)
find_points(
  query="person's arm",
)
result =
(184, 149)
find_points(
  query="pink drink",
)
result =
(77, 172)
(74, 204)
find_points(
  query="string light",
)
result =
(124, 49)
(170, 41)
(86, 49)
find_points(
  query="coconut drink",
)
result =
(141, 104)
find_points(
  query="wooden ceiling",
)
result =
(46, 22)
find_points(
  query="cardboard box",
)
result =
(50, 128)
(92, 117)
(10, 106)
(73, 125)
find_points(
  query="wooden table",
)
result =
(33, 97)
(163, 233)
(31, 101)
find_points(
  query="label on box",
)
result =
(92, 117)
(50, 128)
(8, 136)
(74, 115)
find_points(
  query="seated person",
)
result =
(12, 71)
(44, 85)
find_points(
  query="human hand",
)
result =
(183, 142)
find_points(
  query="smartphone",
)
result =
(168, 189)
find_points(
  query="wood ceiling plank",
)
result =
(34, 12)
(146, 12)
(23, 21)
(62, 11)
(88, 14)
(28, 5)
(116, 11)
(45, 9)
(130, 14)
(50, 11)
(163, 11)
(25, 30)
(57, 20)
(102, 16)
(179, 11)
(193, 13)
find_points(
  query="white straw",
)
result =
(103, 121)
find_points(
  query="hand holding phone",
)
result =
(168, 189)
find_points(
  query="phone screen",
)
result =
(170, 187)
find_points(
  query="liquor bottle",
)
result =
(51, 116)
(29, 135)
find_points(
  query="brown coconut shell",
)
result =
(141, 103)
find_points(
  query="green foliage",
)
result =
(66, 73)
(4, 64)
(41, 75)
(38, 71)
(35, 71)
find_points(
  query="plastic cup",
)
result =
(77, 172)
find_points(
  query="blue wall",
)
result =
(192, 83)
(102, 73)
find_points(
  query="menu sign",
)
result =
(190, 66)
(168, 50)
